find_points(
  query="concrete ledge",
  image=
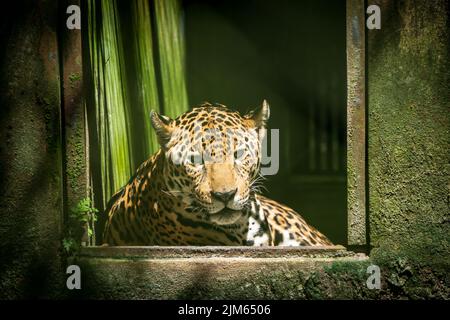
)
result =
(166, 252)
(205, 272)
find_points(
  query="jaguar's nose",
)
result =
(224, 196)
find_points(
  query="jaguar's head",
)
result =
(212, 158)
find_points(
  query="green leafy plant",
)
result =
(69, 244)
(86, 214)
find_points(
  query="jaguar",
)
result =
(202, 187)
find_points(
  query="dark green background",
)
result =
(292, 53)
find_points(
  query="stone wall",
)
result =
(408, 139)
(30, 151)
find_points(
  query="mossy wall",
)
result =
(408, 145)
(30, 151)
(226, 278)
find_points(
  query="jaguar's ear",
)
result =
(260, 116)
(161, 124)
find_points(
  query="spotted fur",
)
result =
(201, 187)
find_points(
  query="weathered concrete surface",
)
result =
(356, 123)
(214, 273)
(30, 153)
(240, 273)
(73, 116)
(169, 252)
(408, 153)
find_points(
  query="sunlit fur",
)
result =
(213, 149)
(177, 196)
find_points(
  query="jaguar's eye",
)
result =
(194, 158)
(238, 154)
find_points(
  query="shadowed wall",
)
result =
(409, 133)
(30, 152)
